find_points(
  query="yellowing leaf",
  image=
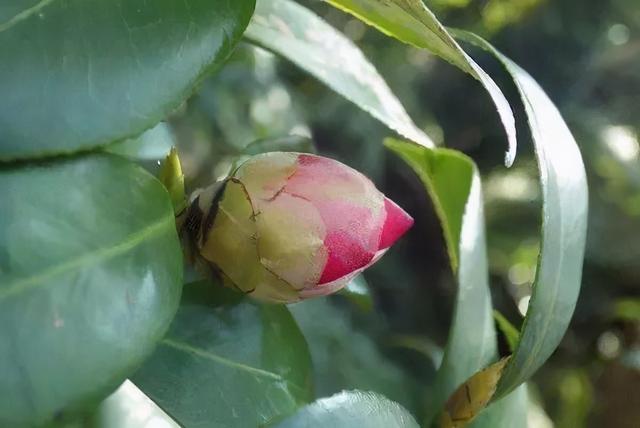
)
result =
(472, 396)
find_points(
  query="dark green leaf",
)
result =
(410, 21)
(297, 34)
(76, 74)
(344, 356)
(351, 409)
(564, 226)
(228, 361)
(90, 278)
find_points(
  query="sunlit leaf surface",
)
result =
(294, 32)
(76, 74)
(350, 409)
(410, 21)
(90, 278)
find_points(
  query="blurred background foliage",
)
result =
(586, 54)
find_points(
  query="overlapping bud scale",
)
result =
(289, 226)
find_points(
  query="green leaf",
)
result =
(453, 183)
(350, 409)
(344, 356)
(77, 74)
(357, 292)
(153, 144)
(128, 407)
(90, 278)
(292, 31)
(411, 22)
(228, 361)
(564, 213)
(509, 412)
(511, 334)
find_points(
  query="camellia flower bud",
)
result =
(289, 226)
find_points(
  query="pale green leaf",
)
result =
(294, 32)
(453, 183)
(128, 407)
(410, 21)
(153, 144)
(564, 225)
(349, 409)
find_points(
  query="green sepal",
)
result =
(172, 178)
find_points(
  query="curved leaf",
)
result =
(358, 293)
(128, 407)
(350, 409)
(294, 32)
(453, 183)
(76, 74)
(90, 277)
(410, 21)
(228, 361)
(509, 412)
(564, 225)
(509, 331)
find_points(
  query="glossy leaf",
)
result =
(410, 21)
(153, 144)
(453, 183)
(344, 356)
(77, 74)
(294, 32)
(128, 407)
(564, 213)
(90, 278)
(350, 409)
(228, 361)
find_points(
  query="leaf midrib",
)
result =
(25, 14)
(199, 352)
(40, 279)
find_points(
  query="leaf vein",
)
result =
(185, 347)
(130, 242)
(25, 14)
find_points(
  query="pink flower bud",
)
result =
(289, 226)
